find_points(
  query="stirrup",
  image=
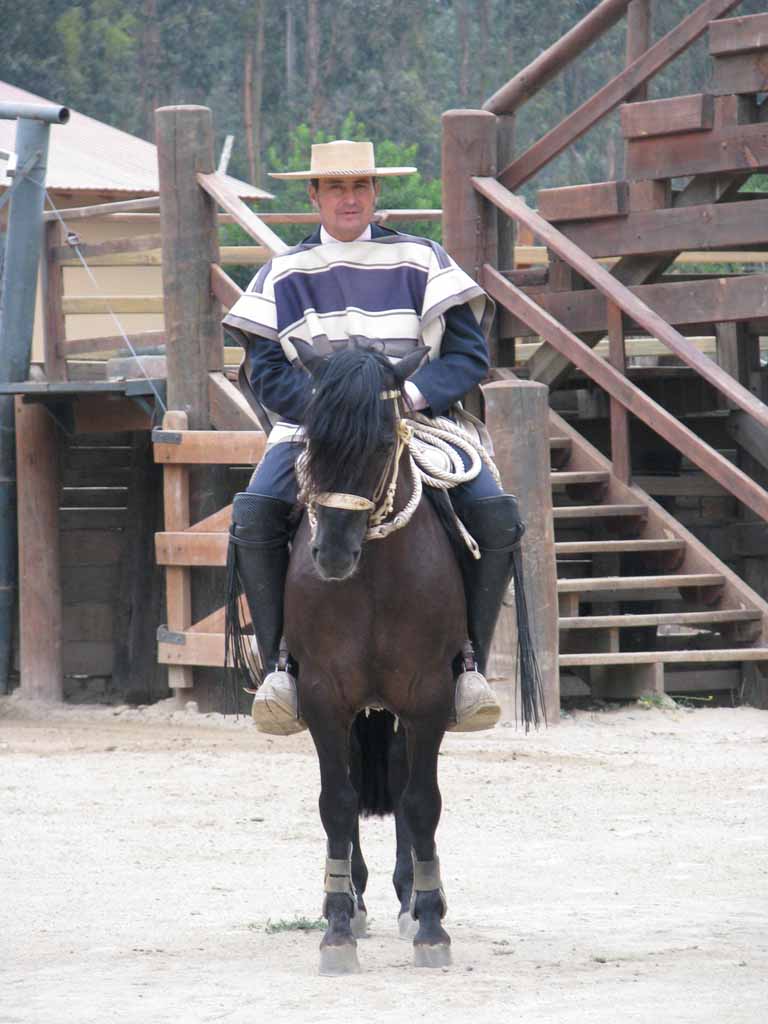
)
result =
(476, 704)
(276, 705)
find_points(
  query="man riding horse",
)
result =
(353, 282)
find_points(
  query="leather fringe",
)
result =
(528, 682)
(243, 670)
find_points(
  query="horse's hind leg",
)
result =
(338, 812)
(421, 805)
(402, 878)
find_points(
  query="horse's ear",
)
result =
(409, 364)
(308, 357)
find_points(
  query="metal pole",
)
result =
(17, 314)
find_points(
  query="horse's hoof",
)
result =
(432, 956)
(407, 926)
(336, 960)
(359, 925)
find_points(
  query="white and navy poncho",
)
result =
(394, 292)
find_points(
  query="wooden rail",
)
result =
(219, 189)
(606, 99)
(627, 394)
(551, 62)
(619, 294)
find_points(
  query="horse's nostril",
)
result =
(356, 554)
(315, 550)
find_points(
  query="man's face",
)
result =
(345, 205)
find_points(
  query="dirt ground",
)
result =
(154, 865)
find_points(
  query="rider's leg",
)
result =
(259, 545)
(492, 518)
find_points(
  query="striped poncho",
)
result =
(391, 291)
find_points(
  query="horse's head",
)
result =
(351, 427)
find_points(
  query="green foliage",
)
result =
(296, 924)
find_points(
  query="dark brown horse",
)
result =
(372, 625)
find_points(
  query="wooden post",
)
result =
(469, 222)
(517, 415)
(638, 40)
(178, 579)
(194, 341)
(620, 450)
(53, 306)
(37, 461)
(193, 336)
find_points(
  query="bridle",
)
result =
(380, 507)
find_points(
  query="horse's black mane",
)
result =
(346, 422)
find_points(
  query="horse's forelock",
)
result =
(346, 422)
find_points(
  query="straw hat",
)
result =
(343, 159)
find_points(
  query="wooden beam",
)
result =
(740, 73)
(208, 447)
(619, 420)
(113, 343)
(738, 35)
(741, 147)
(101, 304)
(183, 548)
(223, 287)
(582, 202)
(731, 298)
(622, 296)
(180, 649)
(194, 339)
(517, 415)
(178, 580)
(695, 227)
(40, 615)
(639, 37)
(139, 243)
(614, 93)
(693, 113)
(667, 657)
(634, 400)
(229, 409)
(54, 325)
(217, 186)
(102, 209)
(552, 61)
(470, 226)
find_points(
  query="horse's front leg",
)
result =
(338, 812)
(421, 805)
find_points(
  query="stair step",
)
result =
(603, 583)
(607, 547)
(659, 619)
(562, 478)
(651, 657)
(598, 511)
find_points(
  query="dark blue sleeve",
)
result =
(462, 364)
(278, 385)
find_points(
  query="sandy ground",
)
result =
(612, 868)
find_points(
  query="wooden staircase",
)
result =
(636, 590)
(639, 594)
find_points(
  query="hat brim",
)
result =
(367, 172)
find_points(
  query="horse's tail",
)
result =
(372, 739)
(532, 706)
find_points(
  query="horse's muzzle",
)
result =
(336, 566)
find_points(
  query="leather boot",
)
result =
(495, 524)
(259, 550)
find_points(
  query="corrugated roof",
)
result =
(86, 155)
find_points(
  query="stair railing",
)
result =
(524, 85)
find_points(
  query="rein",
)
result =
(417, 434)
